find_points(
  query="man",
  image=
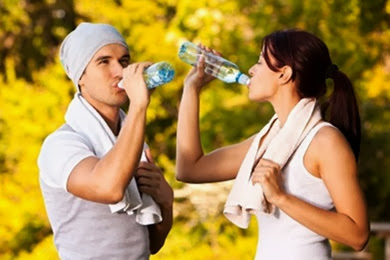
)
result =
(105, 197)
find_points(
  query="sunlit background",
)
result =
(35, 92)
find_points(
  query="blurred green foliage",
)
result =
(35, 92)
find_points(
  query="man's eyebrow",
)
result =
(126, 56)
(99, 58)
(105, 57)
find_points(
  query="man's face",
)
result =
(99, 82)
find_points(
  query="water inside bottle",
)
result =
(189, 53)
(160, 75)
(156, 75)
(215, 65)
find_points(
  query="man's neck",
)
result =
(110, 114)
(112, 120)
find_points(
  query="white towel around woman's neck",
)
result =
(278, 145)
(85, 120)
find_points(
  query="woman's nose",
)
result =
(251, 71)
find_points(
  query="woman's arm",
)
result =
(333, 161)
(192, 165)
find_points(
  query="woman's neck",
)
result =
(284, 103)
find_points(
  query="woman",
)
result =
(316, 194)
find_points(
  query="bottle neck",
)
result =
(242, 78)
(238, 77)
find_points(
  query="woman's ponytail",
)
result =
(341, 109)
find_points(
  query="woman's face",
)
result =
(264, 82)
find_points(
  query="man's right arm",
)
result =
(104, 180)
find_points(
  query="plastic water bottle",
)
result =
(216, 66)
(156, 75)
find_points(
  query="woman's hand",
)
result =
(268, 175)
(197, 77)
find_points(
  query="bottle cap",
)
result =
(243, 79)
(120, 84)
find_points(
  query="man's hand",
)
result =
(151, 181)
(134, 83)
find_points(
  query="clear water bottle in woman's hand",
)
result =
(156, 75)
(216, 66)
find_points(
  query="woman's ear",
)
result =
(285, 75)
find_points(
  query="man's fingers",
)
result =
(149, 156)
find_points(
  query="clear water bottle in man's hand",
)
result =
(216, 66)
(156, 75)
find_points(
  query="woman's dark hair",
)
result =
(311, 65)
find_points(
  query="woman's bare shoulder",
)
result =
(329, 148)
(329, 137)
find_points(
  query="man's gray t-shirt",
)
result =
(83, 229)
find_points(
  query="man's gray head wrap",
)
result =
(80, 46)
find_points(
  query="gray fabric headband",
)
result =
(80, 45)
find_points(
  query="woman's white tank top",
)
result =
(280, 237)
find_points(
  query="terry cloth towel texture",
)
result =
(85, 120)
(279, 144)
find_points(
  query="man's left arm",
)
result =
(158, 232)
(150, 180)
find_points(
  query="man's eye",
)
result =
(103, 62)
(124, 63)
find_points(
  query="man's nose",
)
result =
(117, 69)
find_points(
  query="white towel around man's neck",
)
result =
(278, 145)
(85, 120)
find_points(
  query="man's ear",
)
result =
(285, 75)
(81, 81)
